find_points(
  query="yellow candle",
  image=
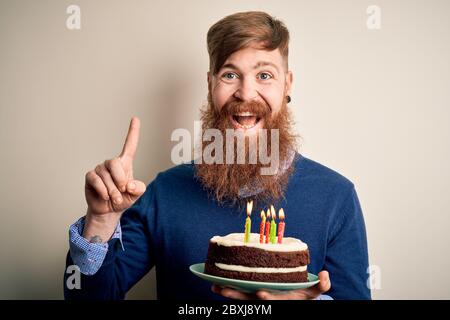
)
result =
(248, 222)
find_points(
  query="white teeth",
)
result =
(243, 126)
(245, 114)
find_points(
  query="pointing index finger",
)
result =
(131, 142)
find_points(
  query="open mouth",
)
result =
(245, 120)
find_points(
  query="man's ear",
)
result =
(289, 80)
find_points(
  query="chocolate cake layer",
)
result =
(212, 269)
(255, 257)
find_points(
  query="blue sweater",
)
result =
(169, 227)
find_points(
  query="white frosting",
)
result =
(231, 267)
(237, 239)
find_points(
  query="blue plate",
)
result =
(252, 286)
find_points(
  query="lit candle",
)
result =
(268, 226)
(262, 226)
(248, 222)
(281, 225)
(273, 226)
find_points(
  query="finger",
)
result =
(96, 183)
(311, 293)
(233, 294)
(131, 142)
(113, 192)
(266, 295)
(323, 286)
(117, 172)
(215, 288)
(136, 188)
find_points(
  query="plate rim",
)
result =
(276, 284)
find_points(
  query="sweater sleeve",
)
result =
(347, 257)
(121, 267)
(86, 255)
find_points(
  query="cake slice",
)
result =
(230, 257)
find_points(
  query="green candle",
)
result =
(273, 226)
(248, 222)
(273, 231)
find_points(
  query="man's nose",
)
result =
(247, 90)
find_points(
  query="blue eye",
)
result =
(265, 76)
(229, 75)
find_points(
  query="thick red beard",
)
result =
(225, 182)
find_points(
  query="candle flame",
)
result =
(263, 215)
(281, 214)
(249, 207)
(272, 210)
(268, 213)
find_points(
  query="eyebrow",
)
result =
(259, 64)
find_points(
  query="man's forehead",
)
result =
(251, 58)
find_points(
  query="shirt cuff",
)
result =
(88, 256)
(324, 297)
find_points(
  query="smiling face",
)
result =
(255, 82)
(248, 93)
(248, 85)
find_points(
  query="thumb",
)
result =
(136, 188)
(325, 284)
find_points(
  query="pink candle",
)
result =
(262, 226)
(281, 226)
(268, 227)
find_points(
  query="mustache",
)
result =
(259, 109)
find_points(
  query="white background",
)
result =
(371, 104)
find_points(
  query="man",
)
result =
(129, 228)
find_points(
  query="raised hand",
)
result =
(111, 187)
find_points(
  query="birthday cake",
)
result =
(236, 256)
